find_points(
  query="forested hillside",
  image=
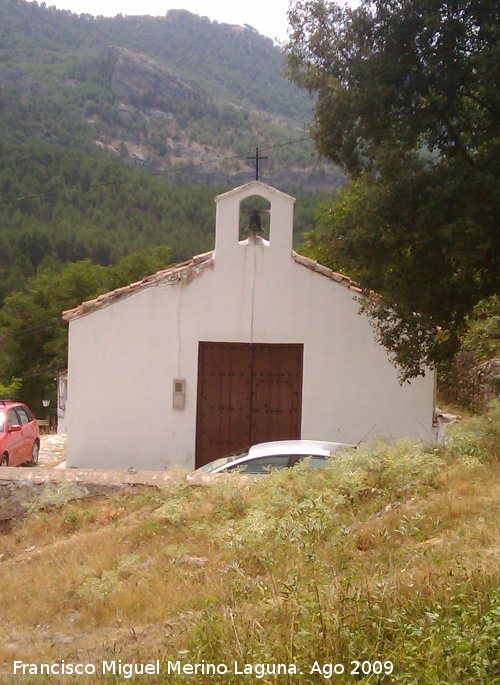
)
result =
(67, 205)
(70, 206)
(113, 128)
(232, 62)
(175, 93)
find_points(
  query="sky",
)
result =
(267, 16)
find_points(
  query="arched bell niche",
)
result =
(248, 207)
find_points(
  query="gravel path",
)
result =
(52, 450)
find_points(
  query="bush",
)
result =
(474, 378)
(478, 439)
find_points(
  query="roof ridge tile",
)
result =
(313, 265)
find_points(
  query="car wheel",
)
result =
(5, 460)
(34, 453)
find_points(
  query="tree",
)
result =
(11, 389)
(406, 103)
(34, 339)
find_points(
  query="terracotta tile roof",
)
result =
(313, 265)
(186, 271)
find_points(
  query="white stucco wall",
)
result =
(123, 358)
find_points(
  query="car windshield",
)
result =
(222, 461)
(2, 421)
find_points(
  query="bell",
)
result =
(254, 224)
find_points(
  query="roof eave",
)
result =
(175, 273)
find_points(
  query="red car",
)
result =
(19, 435)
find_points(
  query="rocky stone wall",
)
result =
(17, 497)
(471, 385)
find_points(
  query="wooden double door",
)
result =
(247, 393)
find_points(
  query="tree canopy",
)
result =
(407, 104)
(33, 336)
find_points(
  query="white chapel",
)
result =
(247, 343)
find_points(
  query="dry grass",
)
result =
(103, 565)
(296, 564)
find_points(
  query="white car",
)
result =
(266, 456)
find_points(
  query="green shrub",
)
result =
(471, 381)
(477, 439)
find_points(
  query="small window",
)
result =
(23, 416)
(319, 463)
(29, 414)
(316, 462)
(262, 465)
(12, 419)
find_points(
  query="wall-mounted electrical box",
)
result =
(179, 394)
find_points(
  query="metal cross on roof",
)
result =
(256, 159)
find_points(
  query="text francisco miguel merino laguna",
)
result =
(131, 669)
